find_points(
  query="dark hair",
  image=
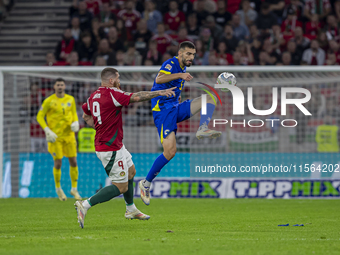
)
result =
(187, 44)
(59, 80)
(107, 72)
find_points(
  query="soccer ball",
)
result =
(226, 78)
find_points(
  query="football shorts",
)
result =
(116, 164)
(64, 146)
(166, 119)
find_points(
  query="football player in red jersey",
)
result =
(102, 111)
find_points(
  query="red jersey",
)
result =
(174, 21)
(162, 42)
(93, 7)
(105, 106)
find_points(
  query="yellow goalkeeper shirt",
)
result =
(60, 113)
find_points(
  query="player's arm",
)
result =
(89, 120)
(87, 115)
(164, 77)
(75, 122)
(50, 135)
(148, 95)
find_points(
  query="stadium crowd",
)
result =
(233, 32)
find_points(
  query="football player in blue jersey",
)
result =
(167, 112)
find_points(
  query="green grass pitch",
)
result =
(177, 226)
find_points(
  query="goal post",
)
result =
(26, 166)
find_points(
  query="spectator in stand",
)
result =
(247, 57)
(193, 29)
(132, 56)
(272, 50)
(86, 47)
(148, 62)
(264, 59)
(276, 7)
(247, 14)
(131, 17)
(75, 29)
(182, 36)
(229, 38)
(237, 58)
(153, 53)
(332, 28)
(73, 60)
(100, 61)
(185, 6)
(201, 12)
(301, 41)
(323, 41)
(295, 55)
(202, 56)
(163, 40)
(207, 40)
(223, 58)
(256, 48)
(93, 7)
(122, 35)
(105, 52)
(50, 59)
(165, 57)
(320, 7)
(337, 10)
(313, 26)
(106, 17)
(142, 37)
(120, 56)
(253, 33)
(216, 30)
(65, 46)
(331, 59)
(80, 11)
(314, 55)
(212, 59)
(297, 6)
(173, 48)
(266, 19)
(152, 16)
(222, 16)
(241, 32)
(98, 32)
(334, 48)
(174, 18)
(115, 43)
(286, 58)
(290, 23)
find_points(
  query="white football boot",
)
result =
(81, 213)
(144, 193)
(136, 214)
(204, 132)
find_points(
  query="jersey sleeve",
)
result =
(74, 111)
(120, 98)
(42, 113)
(86, 108)
(167, 67)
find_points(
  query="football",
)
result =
(226, 78)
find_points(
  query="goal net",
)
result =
(299, 144)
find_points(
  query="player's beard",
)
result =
(186, 62)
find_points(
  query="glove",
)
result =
(75, 126)
(50, 135)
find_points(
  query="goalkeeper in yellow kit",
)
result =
(62, 122)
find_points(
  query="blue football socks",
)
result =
(205, 119)
(157, 166)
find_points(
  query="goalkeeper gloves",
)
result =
(75, 126)
(50, 135)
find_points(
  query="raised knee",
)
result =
(171, 153)
(212, 99)
(57, 164)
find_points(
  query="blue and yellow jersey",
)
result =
(170, 66)
(60, 113)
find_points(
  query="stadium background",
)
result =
(276, 34)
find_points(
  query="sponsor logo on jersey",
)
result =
(168, 66)
(69, 104)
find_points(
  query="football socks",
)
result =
(105, 194)
(128, 195)
(74, 176)
(57, 177)
(207, 117)
(159, 163)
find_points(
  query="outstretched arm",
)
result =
(148, 95)
(164, 78)
(89, 120)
